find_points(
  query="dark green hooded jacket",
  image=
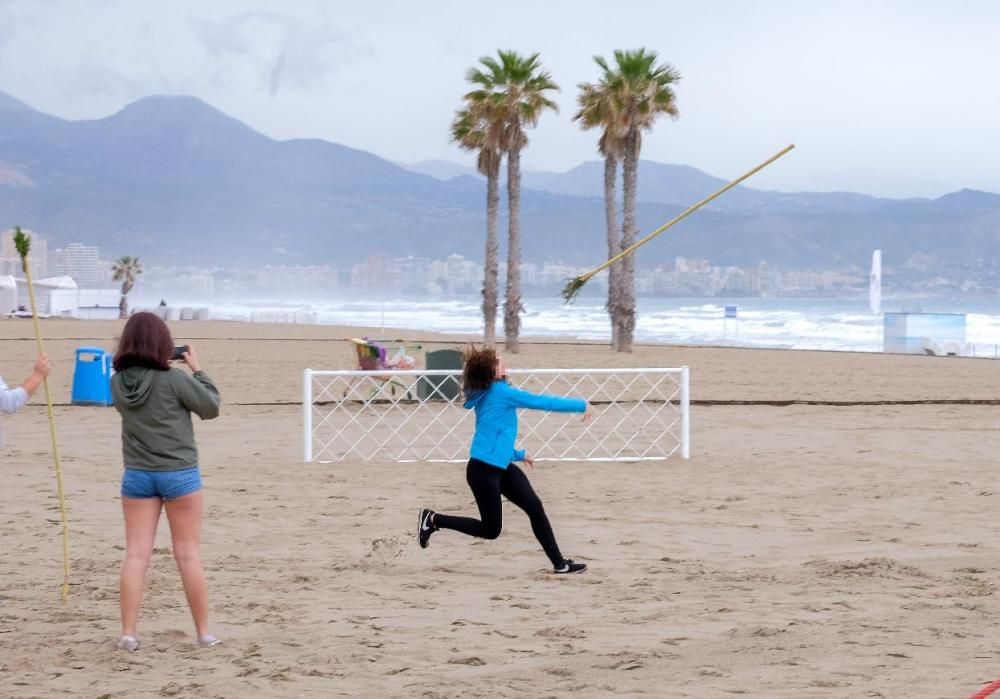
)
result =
(156, 407)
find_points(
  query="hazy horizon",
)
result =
(883, 98)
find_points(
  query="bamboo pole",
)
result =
(573, 286)
(23, 244)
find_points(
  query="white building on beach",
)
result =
(59, 296)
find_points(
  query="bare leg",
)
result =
(184, 515)
(141, 518)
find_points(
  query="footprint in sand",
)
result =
(471, 660)
(560, 632)
(384, 550)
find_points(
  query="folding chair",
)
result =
(372, 357)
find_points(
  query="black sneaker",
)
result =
(569, 566)
(425, 528)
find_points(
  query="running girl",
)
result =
(491, 471)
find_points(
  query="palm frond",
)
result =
(22, 243)
(126, 268)
(572, 288)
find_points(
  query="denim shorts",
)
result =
(167, 485)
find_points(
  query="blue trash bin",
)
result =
(92, 377)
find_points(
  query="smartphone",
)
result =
(179, 352)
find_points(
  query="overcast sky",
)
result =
(890, 98)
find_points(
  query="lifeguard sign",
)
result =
(730, 315)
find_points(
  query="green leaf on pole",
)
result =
(22, 243)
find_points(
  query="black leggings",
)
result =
(488, 483)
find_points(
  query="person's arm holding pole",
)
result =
(12, 399)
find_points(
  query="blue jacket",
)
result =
(496, 420)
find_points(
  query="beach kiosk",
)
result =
(924, 333)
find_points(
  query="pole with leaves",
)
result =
(22, 244)
(574, 285)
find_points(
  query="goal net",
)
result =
(417, 415)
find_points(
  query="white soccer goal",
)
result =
(417, 415)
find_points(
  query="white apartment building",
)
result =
(81, 262)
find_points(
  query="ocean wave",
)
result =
(799, 324)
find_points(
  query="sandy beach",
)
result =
(832, 536)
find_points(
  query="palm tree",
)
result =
(517, 90)
(642, 92)
(125, 270)
(598, 110)
(476, 128)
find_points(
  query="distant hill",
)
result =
(677, 185)
(176, 181)
(443, 170)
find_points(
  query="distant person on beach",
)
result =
(491, 472)
(12, 399)
(161, 463)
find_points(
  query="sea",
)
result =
(808, 324)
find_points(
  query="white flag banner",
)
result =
(875, 283)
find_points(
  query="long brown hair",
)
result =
(480, 369)
(145, 342)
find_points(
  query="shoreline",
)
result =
(407, 335)
(252, 352)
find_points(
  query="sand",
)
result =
(840, 549)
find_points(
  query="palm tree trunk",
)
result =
(630, 172)
(491, 260)
(123, 304)
(512, 307)
(614, 242)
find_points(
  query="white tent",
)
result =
(51, 294)
(60, 296)
(55, 283)
(8, 294)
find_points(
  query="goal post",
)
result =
(418, 415)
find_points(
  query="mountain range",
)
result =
(175, 181)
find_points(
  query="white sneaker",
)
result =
(129, 643)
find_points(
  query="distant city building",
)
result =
(464, 276)
(529, 274)
(683, 265)
(414, 273)
(81, 262)
(195, 285)
(376, 275)
(297, 279)
(382, 275)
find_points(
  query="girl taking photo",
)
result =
(161, 463)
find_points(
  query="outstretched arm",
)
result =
(535, 401)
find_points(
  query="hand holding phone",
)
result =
(186, 354)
